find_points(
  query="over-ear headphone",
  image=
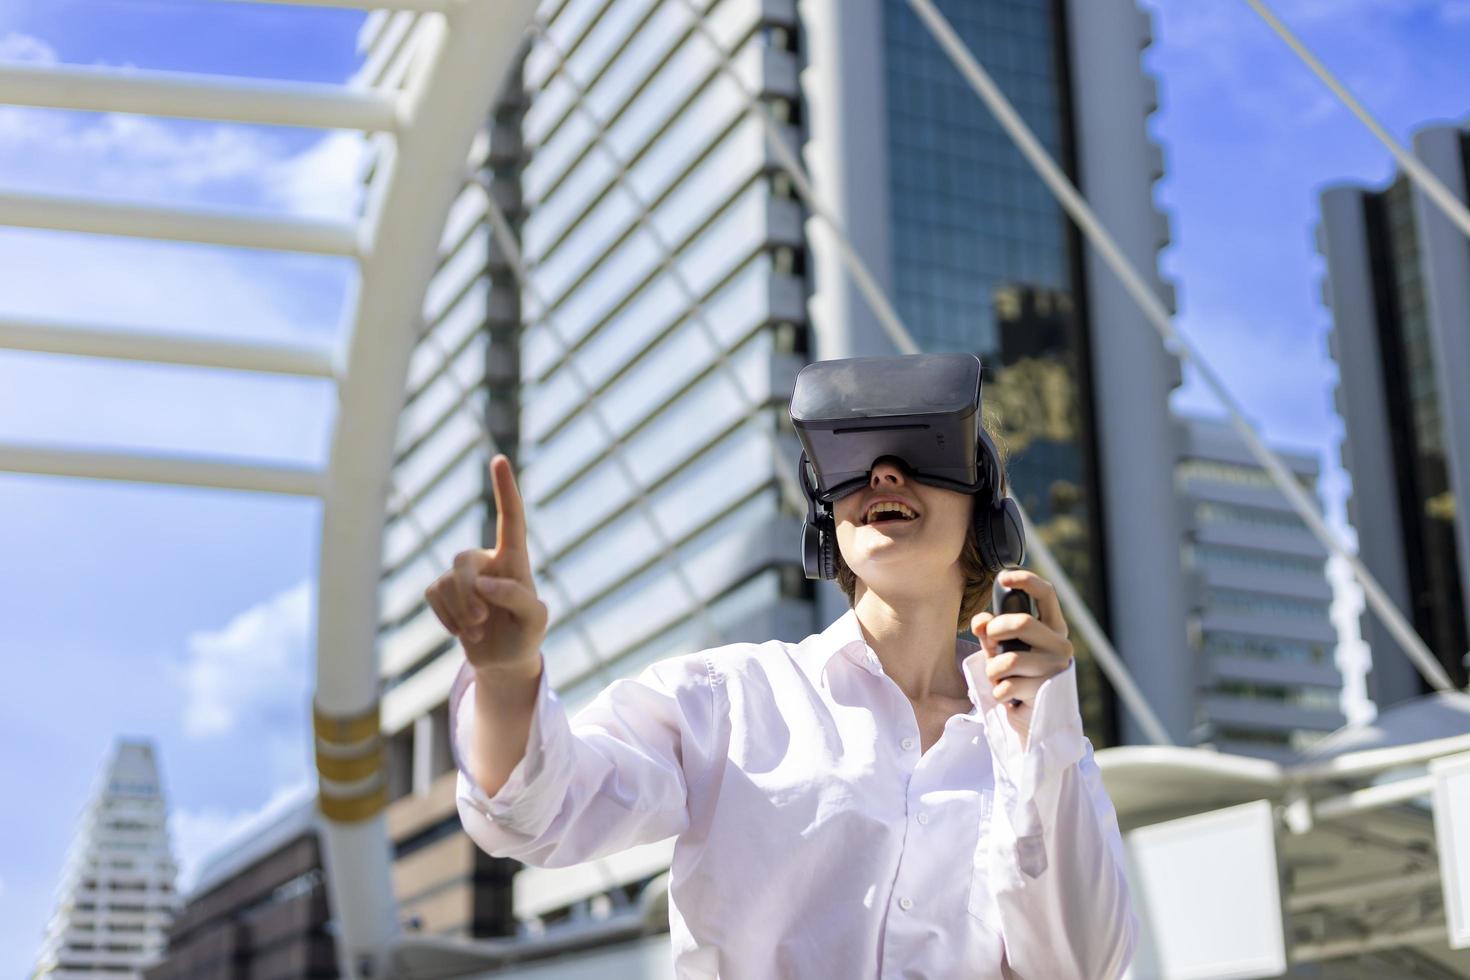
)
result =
(997, 521)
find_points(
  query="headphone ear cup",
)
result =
(1010, 534)
(818, 545)
(829, 552)
(999, 534)
(984, 537)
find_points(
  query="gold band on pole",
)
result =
(353, 809)
(347, 730)
(350, 749)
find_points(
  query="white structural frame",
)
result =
(463, 52)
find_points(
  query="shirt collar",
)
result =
(844, 637)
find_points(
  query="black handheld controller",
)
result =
(1004, 600)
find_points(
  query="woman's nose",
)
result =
(886, 470)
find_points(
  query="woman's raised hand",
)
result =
(488, 599)
(1018, 674)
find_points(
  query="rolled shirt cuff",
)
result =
(526, 802)
(1054, 742)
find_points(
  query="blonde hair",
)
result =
(978, 579)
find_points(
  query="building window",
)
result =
(1302, 696)
(1230, 601)
(1234, 473)
(1235, 645)
(1211, 512)
(1202, 555)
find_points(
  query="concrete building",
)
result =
(116, 897)
(1398, 285)
(677, 286)
(1269, 684)
(259, 905)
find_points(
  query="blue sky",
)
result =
(187, 616)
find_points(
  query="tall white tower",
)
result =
(116, 898)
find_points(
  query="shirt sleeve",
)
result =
(611, 778)
(1057, 866)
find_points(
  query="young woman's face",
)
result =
(896, 556)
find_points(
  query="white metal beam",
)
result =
(1372, 798)
(158, 93)
(1366, 762)
(159, 348)
(1367, 890)
(1332, 949)
(134, 467)
(215, 227)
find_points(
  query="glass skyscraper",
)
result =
(1400, 307)
(983, 261)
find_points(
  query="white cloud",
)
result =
(253, 671)
(15, 46)
(140, 157)
(198, 834)
(322, 180)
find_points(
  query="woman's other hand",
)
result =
(488, 599)
(1019, 674)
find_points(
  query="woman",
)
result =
(882, 799)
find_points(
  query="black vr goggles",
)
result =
(920, 409)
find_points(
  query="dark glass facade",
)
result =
(985, 260)
(1416, 426)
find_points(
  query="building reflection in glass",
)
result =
(1031, 391)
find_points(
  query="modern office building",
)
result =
(116, 897)
(640, 381)
(258, 907)
(1269, 682)
(1398, 285)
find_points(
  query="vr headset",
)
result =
(921, 409)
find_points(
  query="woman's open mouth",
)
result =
(889, 513)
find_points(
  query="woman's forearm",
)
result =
(505, 701)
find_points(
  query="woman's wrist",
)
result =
(528, 668)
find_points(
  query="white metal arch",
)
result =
(460, 60)
(450, 73)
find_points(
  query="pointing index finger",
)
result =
(510, 515)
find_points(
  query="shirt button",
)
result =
(905, 903)
(923, 818)
(908, 743)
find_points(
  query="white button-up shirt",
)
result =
(814, 840)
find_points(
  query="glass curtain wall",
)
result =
(1426, 506)
(985, 260)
